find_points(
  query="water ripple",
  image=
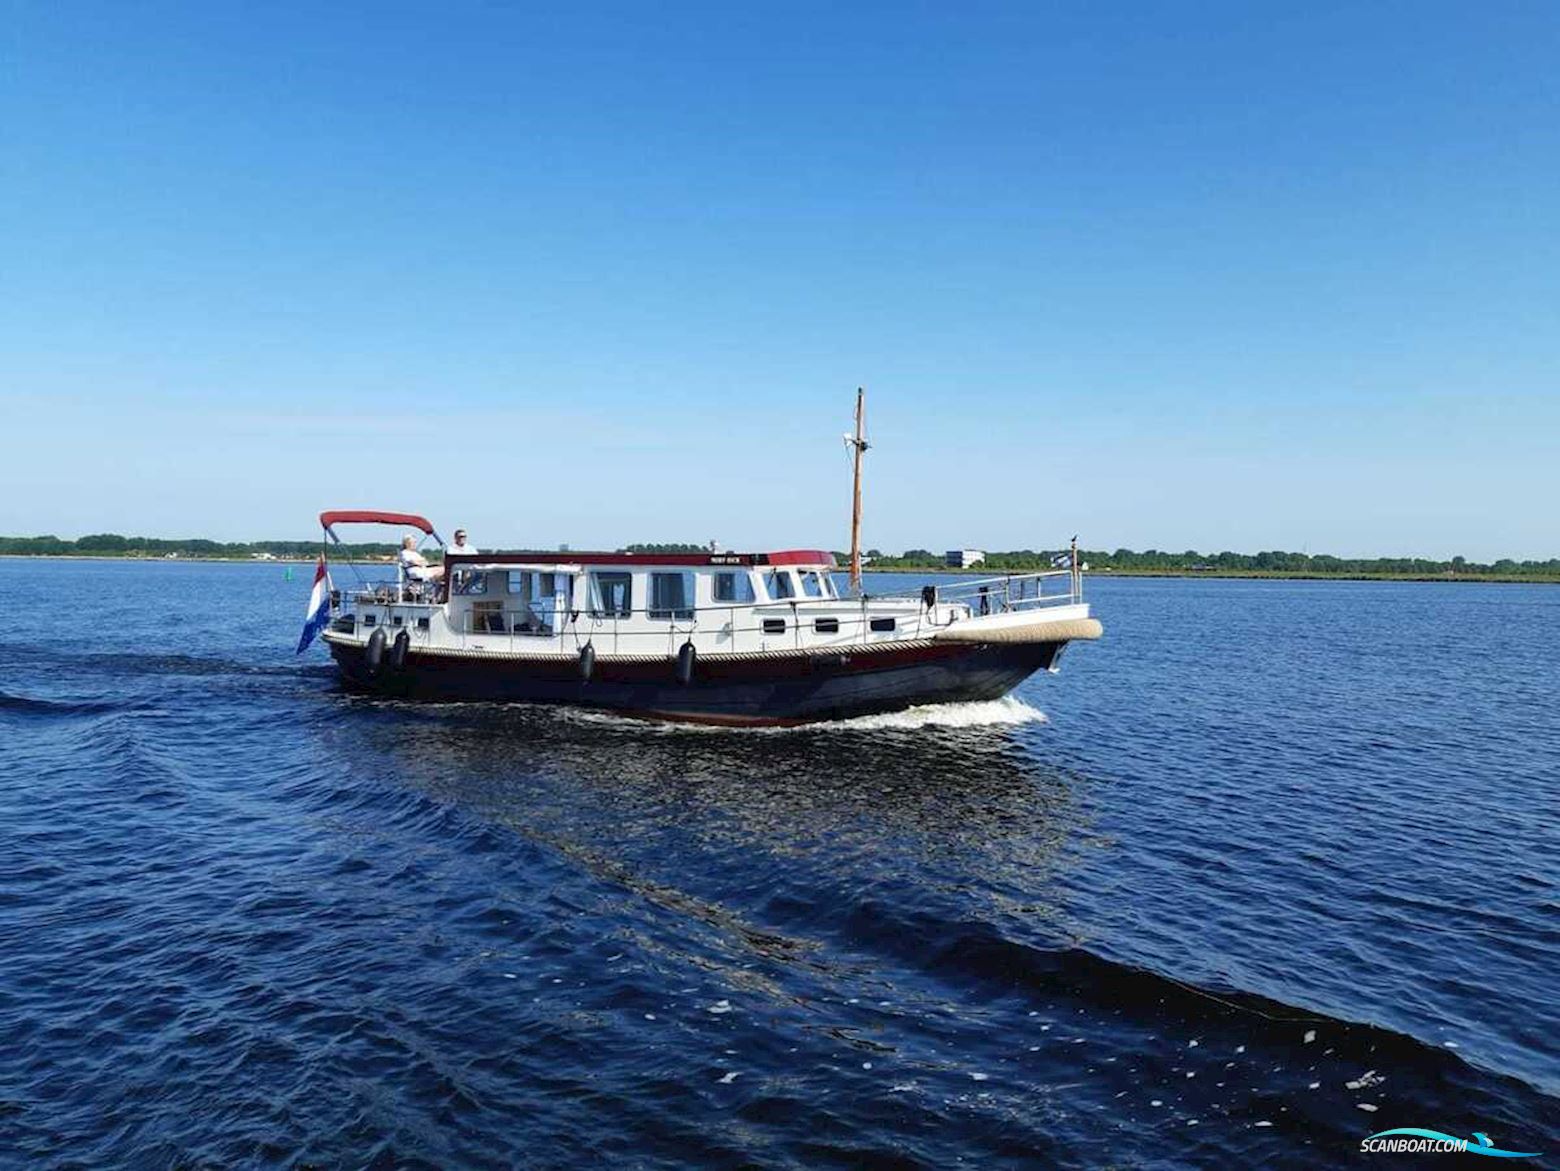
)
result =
(1270, 859)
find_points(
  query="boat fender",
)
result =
(686, 656)
(374, 652)
(398, 650)
(587, 662)
(929, 596)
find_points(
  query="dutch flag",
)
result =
(318, 614)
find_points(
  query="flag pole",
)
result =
(860, 445)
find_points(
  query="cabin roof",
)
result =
(811, 558)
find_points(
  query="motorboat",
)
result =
(710, 637)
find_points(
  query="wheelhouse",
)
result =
(633, 602)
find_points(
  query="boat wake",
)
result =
(33, 706)
(1006, 712)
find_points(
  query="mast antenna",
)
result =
(858, 443)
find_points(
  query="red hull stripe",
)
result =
(758, 667)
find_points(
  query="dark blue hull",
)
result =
(788, 689)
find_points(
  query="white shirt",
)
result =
(459, 548)
(414, 564)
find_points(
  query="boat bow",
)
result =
(1023, 628)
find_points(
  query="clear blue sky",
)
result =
(1178, 275)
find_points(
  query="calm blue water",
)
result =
(1266, 839)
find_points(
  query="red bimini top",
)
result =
(371, 517)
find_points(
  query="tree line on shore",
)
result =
(1123, 560)
(114, 545)
(1191, 561)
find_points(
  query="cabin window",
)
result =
(882, 625)
(422, 624)
(468, 581)
(516, 584)
(614, 595)
(369, 619)
(396, 620)
(774, 625)
(827, 625)
(778, 583)
(811, 585)
(541, 605)
(671, 595)
(731, 587)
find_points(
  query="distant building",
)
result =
(965, 558)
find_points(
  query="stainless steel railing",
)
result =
(1013, 591)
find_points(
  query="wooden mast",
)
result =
(860, 445)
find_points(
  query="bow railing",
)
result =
(1010, 592)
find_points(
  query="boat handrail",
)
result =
(1028, 574)
(938, 606)
(1013, 594)
(1012, 591)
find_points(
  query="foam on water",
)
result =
(1007, 712)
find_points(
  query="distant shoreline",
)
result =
(161, 560)
(924, 571)
(1253, 574)
(157, 560)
